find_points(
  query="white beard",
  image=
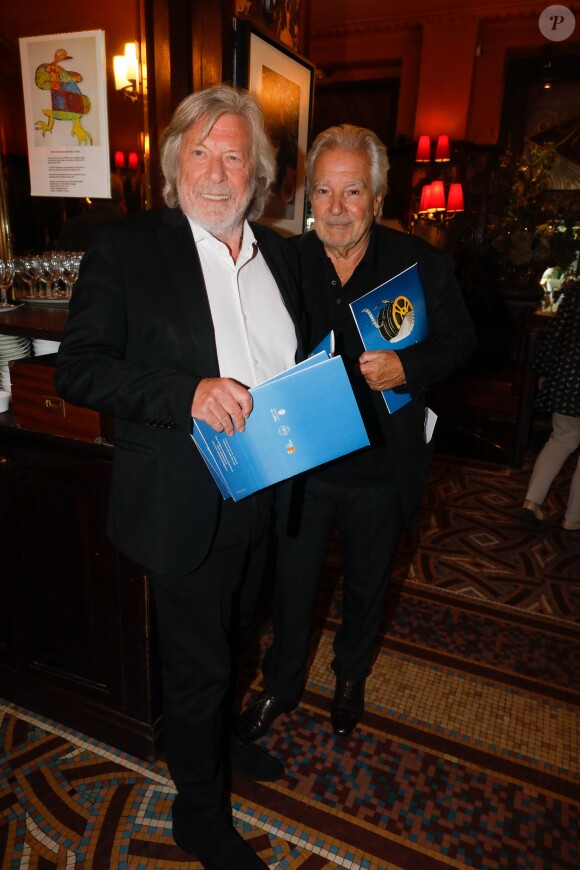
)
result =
(221, 226)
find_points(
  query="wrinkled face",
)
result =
(215, 177)
(342, 199)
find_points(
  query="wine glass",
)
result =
(44, 275)
(70, 270)
(27, 267)
(6, 279)
(51, 268)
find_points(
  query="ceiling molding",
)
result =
(423, 19)
(349, 28)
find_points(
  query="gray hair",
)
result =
(347, 137)
(210, 104)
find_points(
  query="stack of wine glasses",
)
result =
(48, 276)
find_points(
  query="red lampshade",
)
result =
(424, 204)
(423, 150)
(436, 197)
(442, 153)
(133, 160)
(455, 198)
(119, 160)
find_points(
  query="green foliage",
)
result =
(529, 227)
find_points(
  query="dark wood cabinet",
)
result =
(77, 638)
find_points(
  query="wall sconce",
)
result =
(442, 150)
(130, 162)
(432, 206)
(126, 70)
(423, 150)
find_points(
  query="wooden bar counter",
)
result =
(77, 639)
(35, 321)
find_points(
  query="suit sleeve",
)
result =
(111, 357)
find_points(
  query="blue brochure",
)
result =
(327, 345)
(393, 316)
(300, 419)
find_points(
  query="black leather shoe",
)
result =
(348, 706)
(218, 849)
(530, 518)
(251, 762)
(257, 718)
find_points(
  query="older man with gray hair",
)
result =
(176, 314)
(368, 496)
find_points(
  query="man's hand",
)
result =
(381, 369)
(222, 403)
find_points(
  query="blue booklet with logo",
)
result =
(301, 418)
(327, 345)
(393, 316)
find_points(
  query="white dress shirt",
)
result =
(254, 333)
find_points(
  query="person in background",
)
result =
(175, 314)
(76, 232)
(368, 496)
(557, 363)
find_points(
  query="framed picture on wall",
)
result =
(64, 78)
(283, 82)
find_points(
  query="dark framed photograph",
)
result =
(283, 82)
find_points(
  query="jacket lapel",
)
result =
(185, 276)
(316, 297)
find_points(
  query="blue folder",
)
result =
(301, 418)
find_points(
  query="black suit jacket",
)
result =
(450, 343)
(138, 341)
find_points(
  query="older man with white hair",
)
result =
(176, 314)
(369, 496)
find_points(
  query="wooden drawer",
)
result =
(36, 404)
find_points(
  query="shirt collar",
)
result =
(201, 234)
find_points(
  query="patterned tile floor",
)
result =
(467, 757)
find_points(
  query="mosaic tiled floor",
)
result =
(467, 757)
(474, 542)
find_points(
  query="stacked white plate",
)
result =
(11, 347)
(42, 346)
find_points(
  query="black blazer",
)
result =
(450, 343)
(138, 341)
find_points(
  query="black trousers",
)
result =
(197, 618)
(369, 519)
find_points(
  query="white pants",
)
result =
(564, 439)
